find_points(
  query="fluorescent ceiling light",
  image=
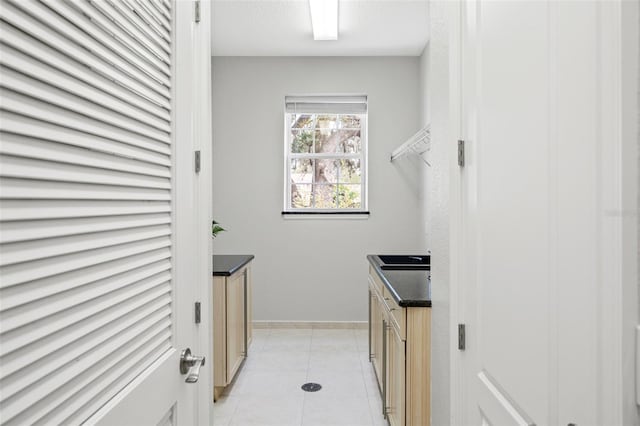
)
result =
(324, 19)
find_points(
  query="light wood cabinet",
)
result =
(376, 316)
(400, 344)
(232, 325)
(395, 377)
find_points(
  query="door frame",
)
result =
(458, 383)
(202, 141)
(194, 189)
(612, 286)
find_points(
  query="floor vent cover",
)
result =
(311, 387)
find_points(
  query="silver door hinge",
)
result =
(197, 161)
(461, 153)
(198, 313)
(197, 11)
(462, 337)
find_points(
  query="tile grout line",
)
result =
(350, 338)
(240, 397)
(304, 396)
(364, 380)
(235, 410)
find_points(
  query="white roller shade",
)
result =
(334, 104)
(86, 203)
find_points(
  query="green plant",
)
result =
(216, 228)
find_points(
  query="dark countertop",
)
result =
(227, 264)
(408, 288)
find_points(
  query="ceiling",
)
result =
(283, 28)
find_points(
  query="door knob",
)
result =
(190, 365)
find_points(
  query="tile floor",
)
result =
(267, 391)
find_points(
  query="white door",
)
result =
(103, 222)
(538, 253)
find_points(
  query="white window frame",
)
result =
(362, 156)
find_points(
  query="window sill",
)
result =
(326, 215)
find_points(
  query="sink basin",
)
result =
(404, 262)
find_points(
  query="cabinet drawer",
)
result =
(397, 314)
(374, 289)
(375, 279)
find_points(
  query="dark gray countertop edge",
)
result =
(228, 264)
(405, 303)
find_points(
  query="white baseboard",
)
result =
(359, 325)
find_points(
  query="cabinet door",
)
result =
(219, 334)
(249, 307)
(235, 323)
(376, 336)
(395, 378)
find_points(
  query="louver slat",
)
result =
(150, 43)
(39, 289)
(121, 49)
(36, 129)
(151, 22)
(30, 148)
(12, 232)
(132, 43)
(62, 99)
(22, 168)
(41, 353)
(33, 209)
(135, 22)
(86, 289)
(163, 7)
(42, 52)
(75, 35)
(36, 109)
(36, 189)
(96, 376)
(15, 253)
(35, 28)
(39, 369)
(33, 108)
(155, 13)
(18, 273)
(19, 61)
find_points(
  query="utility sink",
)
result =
(404, 262)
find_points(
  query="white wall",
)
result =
(310, 270)
(424, 120)
(631, 198)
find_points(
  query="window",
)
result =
(325, 149)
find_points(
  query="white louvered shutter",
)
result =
(86, 202)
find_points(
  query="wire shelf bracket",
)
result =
(417, 144)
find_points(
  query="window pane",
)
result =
(349, 196)
(324, 196)
(301, 171)
(327, 121)
(349, 122)
(326, 171)
(301, 121)
(326, 140)
(350, 171)
(300, 196)
(329, 173)
(348, 141)
(301, 141)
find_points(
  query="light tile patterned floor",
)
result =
(267, 390)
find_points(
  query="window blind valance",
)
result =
(335, 104)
